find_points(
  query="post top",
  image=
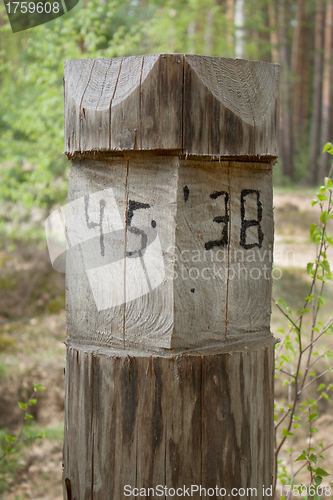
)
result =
(197, 105)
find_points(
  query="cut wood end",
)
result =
(199, 104)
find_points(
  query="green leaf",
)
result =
(324, 216)
(325, 396)
(313, 203)
(302, 456)
(321, 472)
(313, 416)
(23, 406)
(322, 300)
(27, 416)
(309, 267)
(8, 448)
(327, 146)
(282, 303)
(326, 266)
(10, 439)
(38, 387)
(286, 433)
(318, 480)
(321, 387)
(32, 402)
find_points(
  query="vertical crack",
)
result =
(165, 454)
(125, 250)
(140, 103)
(68, 485)
(201, 422)
(183, 105)
(91, 425)
(229, 235)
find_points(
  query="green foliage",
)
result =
(295, 360)
(33, 170)
(11, 446)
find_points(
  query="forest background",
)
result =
(298, 34)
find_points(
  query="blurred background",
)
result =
(298, 34)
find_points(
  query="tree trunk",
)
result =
(191, 36)
(273, 31)
(285, 119)
(209, 32)
(316, 97)
(326, 108)
(239, 25)
(297, 67)
(230, 22)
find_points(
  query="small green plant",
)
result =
(298, 357)
(9, 459)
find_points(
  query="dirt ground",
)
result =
(32, 331)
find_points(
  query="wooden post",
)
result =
(169, 374)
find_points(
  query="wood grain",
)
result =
(169, 231)
(197, 104)
(187, 419)
(201, 290)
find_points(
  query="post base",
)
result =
(169, 421)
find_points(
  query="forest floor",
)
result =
(32, 332)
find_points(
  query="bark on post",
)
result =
(169, 374)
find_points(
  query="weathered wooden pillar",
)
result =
(169, 374)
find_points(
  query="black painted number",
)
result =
(224, 219)
(246, 223)
(220, 219)
(132, 206)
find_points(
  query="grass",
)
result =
(293, 286)
(301, 191)
(31, 346)
(16, 462)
